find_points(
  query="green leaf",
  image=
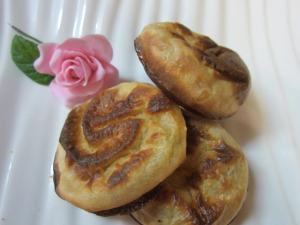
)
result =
(24, 53)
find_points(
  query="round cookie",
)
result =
(209, 188)
(198, 74)
(117, 147)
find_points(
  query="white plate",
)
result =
(265, 33)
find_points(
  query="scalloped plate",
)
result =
(264, 33)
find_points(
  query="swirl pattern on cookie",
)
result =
(118, 146)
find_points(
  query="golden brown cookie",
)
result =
(208, 189)
(193, 70)
(117, 147)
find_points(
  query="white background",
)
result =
(265, 33)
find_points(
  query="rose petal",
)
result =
(56, 61)
(100, 71)
(41, 64)
(96, 45)
(86, 71)
(65, 77)
(101, 47)
(60, 56)
(71, 78)
(75, 44)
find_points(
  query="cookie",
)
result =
(203, 77)
(208, 189)
(118, 146)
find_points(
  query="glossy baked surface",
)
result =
(192, 69)
(118, 146)
(209, 188)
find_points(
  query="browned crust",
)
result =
(120, 175)
(107, 118)
(207, 50)
(101, 111)
(155, 78)
(226, 63)
(194, 136)
(158, 103)
(177, 100)
(199, 213)
(102, 148)
(95, 130)
(223, 153)
(56, 175)
(202, 213)
(180, 31)
(182, 191)
(224, 60)
(132, 206)
(206, 213)
(129, 127)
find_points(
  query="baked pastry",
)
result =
(117, 147)
(208, 189)
(193, 70)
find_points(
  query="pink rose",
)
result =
(81, 67)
